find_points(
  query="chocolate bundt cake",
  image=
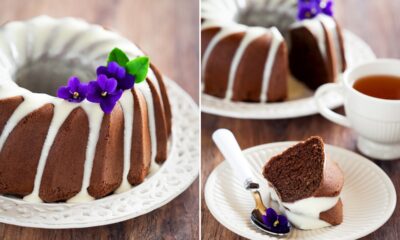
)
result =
(307, 185)
(245, 56)
(53, 150)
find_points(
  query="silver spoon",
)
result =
(230, 149)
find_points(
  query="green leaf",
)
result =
(117, 55)
(138, 67)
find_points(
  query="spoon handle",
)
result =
(230, 149)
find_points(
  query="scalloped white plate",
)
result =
(159, 188)
(368, 196)
(301, 101)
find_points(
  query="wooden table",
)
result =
(168, 31)
(374, 21)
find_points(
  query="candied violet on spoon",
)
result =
(275, 223)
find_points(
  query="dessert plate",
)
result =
(300, 100)
(160, 187)
(368, 195)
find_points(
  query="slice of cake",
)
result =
(306, 185)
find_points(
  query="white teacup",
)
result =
(376, 120)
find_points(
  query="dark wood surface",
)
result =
(374, 21)
(168, 31)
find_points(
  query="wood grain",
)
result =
(374, 21)
(168, 31)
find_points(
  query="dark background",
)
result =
(377, 22)
(168, 31)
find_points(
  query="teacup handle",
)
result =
(324, 110)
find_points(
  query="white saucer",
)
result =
(301, 101)
(160, 187)
(368, 196)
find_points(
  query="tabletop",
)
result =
(374, 21)
(169, 34)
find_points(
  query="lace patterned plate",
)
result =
(160, 187)
(368, 196)
(300, 101)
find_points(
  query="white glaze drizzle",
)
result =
(316, 28)
(331, 25)
(71, 29)
(62, 109)
(95, 115)
(223, 33)
(145, 90)
(277, 39)
(250, 35)
(304, 213)
(127, 104)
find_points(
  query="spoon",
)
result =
(230, 149)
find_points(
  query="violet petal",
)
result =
(110, 85)
(63, 92)
(127, 82)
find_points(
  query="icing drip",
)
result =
(277, 39)
(30, 104)
(331, 25)
(62, 109)
(251, 34)
(225, 32)
(145, 90)
(127, 105)
(95, 116)
(53, 38)
(315, 26)
(304, 213)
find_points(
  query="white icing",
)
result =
(229, 26)
(223, 33)
(145, 90)
(42, 28)
(71, 37)
(15, 33)
(277, 39)
(304, 213)
(127, 105)
(62, 109)
(315, 26)
(251, 35)
(330, 24)
(95, 115)
(317, 30)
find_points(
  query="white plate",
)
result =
(301, 101)
(368, 196)
(174, 176)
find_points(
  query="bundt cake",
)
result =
(306, 185)
(249, 48)
(53, 150)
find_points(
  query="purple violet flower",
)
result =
(114, 70)
(276, 223)
(326, 7)
(105, 92)
(308, 9)
(75, 91)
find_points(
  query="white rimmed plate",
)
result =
(368, 196)
(159, 188)
(301, 101)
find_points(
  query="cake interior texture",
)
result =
(297, 172)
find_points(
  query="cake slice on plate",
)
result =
(306, 185)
